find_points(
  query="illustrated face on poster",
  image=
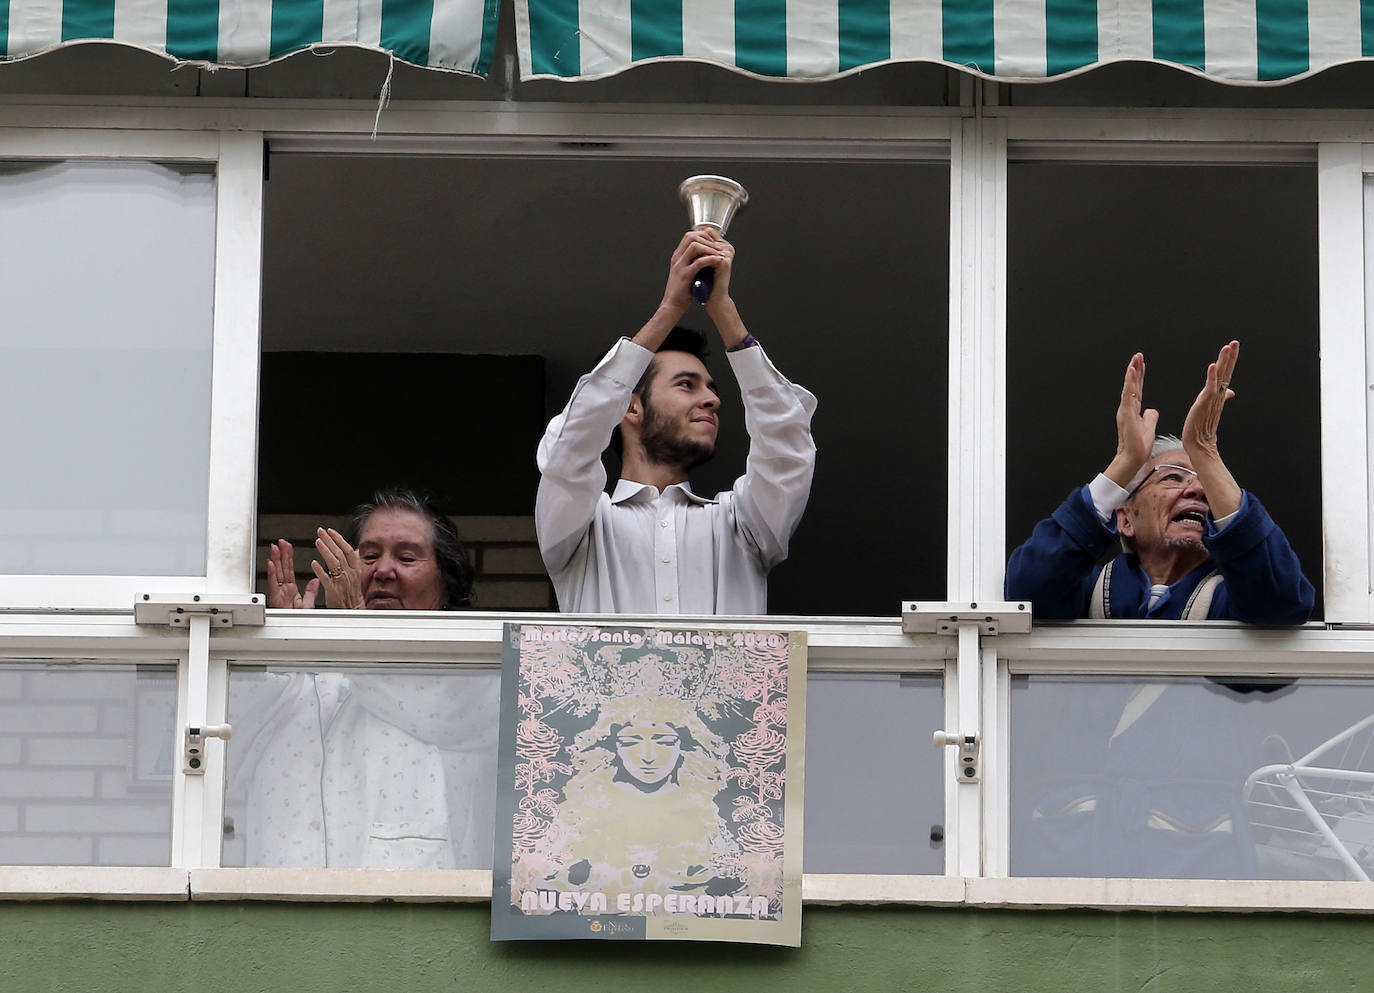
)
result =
(649, 753)
(649, 784)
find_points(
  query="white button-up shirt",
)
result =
(644, 552)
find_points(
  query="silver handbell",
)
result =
(712, 202)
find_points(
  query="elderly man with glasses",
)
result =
(1196, 546)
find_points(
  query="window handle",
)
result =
(193, 757)
(968, 752)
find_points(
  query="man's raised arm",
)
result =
(571, 475)
(1055, 568)
(1264, 578)
(771, 496)
(1200, 434)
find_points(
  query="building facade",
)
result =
(258, 285)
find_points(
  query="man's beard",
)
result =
(664, 445)
(1193, 544)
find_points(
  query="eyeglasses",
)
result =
(1170, 477)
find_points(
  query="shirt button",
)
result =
(663, 524)
(666, 559)
(667, 596)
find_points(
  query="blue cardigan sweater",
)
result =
(1262, 580)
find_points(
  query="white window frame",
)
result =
(202, 682)
(461, 640)
(1161, 649)
(977, 674)
(237, 158)
(99, 639)
(473, 639)
(1345, 382)
(978, 465)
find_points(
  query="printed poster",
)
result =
(650, 784)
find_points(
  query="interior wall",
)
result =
(402, 428)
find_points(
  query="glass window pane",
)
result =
(1192, 777)
(875, 795)
(108, 302)
(382, 767)
(87, 755)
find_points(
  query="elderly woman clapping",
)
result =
(408, 556)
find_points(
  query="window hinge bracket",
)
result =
(991, 617)
(224, 611)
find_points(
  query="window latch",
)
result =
(968, 752)
(193, 758)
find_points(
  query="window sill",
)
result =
(36, 883)
(1197, 895)
(52, 882)
(342, 885)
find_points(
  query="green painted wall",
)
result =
(411, 948)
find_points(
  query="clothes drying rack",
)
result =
(1318, 808)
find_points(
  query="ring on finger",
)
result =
(335, 573)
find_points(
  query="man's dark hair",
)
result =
(455, 568)
(679, 339)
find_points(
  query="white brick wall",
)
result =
(76, 784)
(132, 850)
(78, 778)
(114, 785)
(21, 849)
(95, 684)
(114, 718)
(28, 718)
(79, 751)
(113, 818)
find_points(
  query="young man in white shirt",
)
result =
(653, 546)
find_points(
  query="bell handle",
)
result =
(702, 285)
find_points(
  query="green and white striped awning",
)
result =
(1235, 41)
(441, 34)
